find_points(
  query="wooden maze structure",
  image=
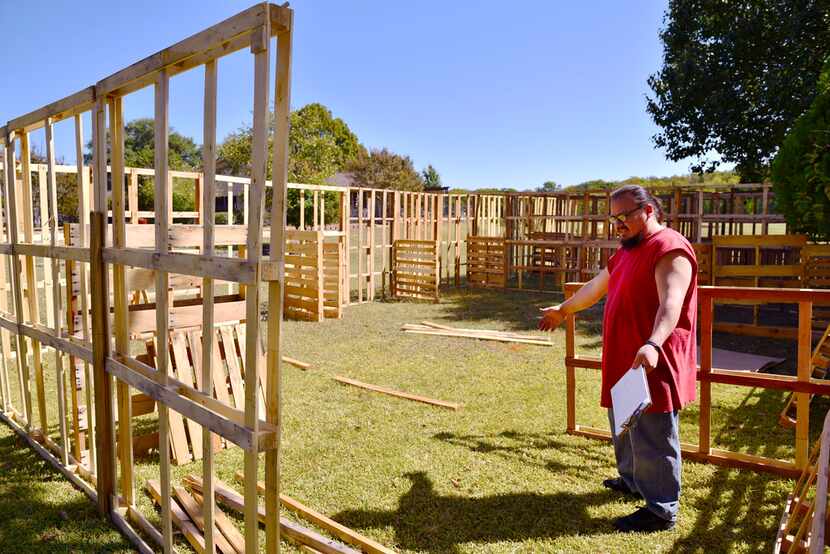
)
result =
(110, 255)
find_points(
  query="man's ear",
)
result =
(649, 210)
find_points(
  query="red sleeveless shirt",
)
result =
(630, 309)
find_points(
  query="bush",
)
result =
(801, 170)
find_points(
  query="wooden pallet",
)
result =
(228, 386)
(304, 282)
(415, 270)
(820, 363)
(332, 277)
(486, 262)
(804, 519)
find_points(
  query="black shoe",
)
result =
(642, 521)
(619, 485)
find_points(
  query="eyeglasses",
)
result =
(621, 218)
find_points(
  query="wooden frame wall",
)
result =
(106, 475)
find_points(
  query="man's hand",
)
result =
(552, 318)
(647, 356)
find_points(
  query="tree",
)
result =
(549, 186)
(801, 169)
(319, 145)
(382, 169)
(735, 76)
(139, 151)
(432, 180)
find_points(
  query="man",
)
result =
(649, 320)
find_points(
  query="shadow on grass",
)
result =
(430, 522)
(512, 445)
(735, 510)
(39, 517)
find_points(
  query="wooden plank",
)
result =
(31, 282)
(228, 347)
(399, 394)
(178, 516)
(52, 203)
(324, 522)
(10, 192)
(193, 510)
(167, 425)
(68, 106)
(220, 39)
(223, 524)
(802, 429)
(105, 472)
(184, 372)
(291, 530)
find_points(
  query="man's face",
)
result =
(630, 227)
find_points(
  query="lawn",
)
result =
(498, 475)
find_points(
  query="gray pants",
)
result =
(648, 459)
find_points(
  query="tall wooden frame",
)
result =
(114, 370)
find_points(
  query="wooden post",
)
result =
(208, 218)
(83, 218)
(105, 474)
(345, 209)
(705, 370)
(17, 286)
(162, 210)
(802, 428)
(361, 277)
(132, 193)
(570, 370)
(370, 254)
(260, 48)
(120, 301)
(52, 202)
(31, 281)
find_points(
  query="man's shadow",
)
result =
(426, 521)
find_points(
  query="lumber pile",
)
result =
(429, 328)
(289, 530)
(301, 510)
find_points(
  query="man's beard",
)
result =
(630, 243)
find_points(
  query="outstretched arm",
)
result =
(673, 275)
(588, 294)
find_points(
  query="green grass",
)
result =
(499, 475)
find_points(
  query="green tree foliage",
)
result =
(382, 169)
(432, 180)
(319, 144)
(549, 186)
(715, 177)
(139, 151)
(801, 169)
(735, 76)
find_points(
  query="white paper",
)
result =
(630, 397)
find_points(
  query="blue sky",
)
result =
(490, 93)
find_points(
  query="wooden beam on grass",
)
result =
(179, 517)
(292, 531)
(194, 511)
(325, 522)
(396, 393)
